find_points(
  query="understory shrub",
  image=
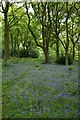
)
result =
(34, 54)
(23, 53)
(61, 60)
(13, 53)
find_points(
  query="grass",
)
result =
(35, 90)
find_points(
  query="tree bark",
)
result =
(73, 51)
(15, 44)
(57, 40)
(66, 57)
(6, 32)
(6, 38)
(67, 39)
(18, 32)
(46, 53)
(12, 47)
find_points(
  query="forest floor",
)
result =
(35, 90)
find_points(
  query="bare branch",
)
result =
(10, 25)
(3, 7)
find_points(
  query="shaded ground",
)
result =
(32, 89)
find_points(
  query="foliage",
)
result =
(34, 90)
(23, 53)
(34, 54)
(61, 60)
(52, 26)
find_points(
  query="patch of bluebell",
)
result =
(43, 91)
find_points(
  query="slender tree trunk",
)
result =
(67, 39)
(18, 42)
(15, 47)
(57, 48)
(18, 50)
(66, 57)
(57, 40)
(79, 51)
(73, 51)
(12, 50)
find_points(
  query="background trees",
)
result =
(51, 26)
(10, 19)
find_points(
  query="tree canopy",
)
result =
(52, 27)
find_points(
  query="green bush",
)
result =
(13, 53)
(61, 60)
(34, 54)
(23, 53)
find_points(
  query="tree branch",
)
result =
(30, 27)
(10, 25)
(59, 40)
(3, 7)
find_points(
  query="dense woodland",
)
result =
(30, 33)
(35, 28)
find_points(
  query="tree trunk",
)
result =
(45, 37)
(18, 51)
(73, 51)
(18, 32)
(57, 48)
(79, 51)
(66, 58)
(67, 39)
(46, 53)
(57, 40)
(6, 39)
(15, 51)
(12, 48)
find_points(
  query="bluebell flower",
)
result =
(59, 94)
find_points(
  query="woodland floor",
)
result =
(35, 90)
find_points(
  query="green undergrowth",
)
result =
(35, 90)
